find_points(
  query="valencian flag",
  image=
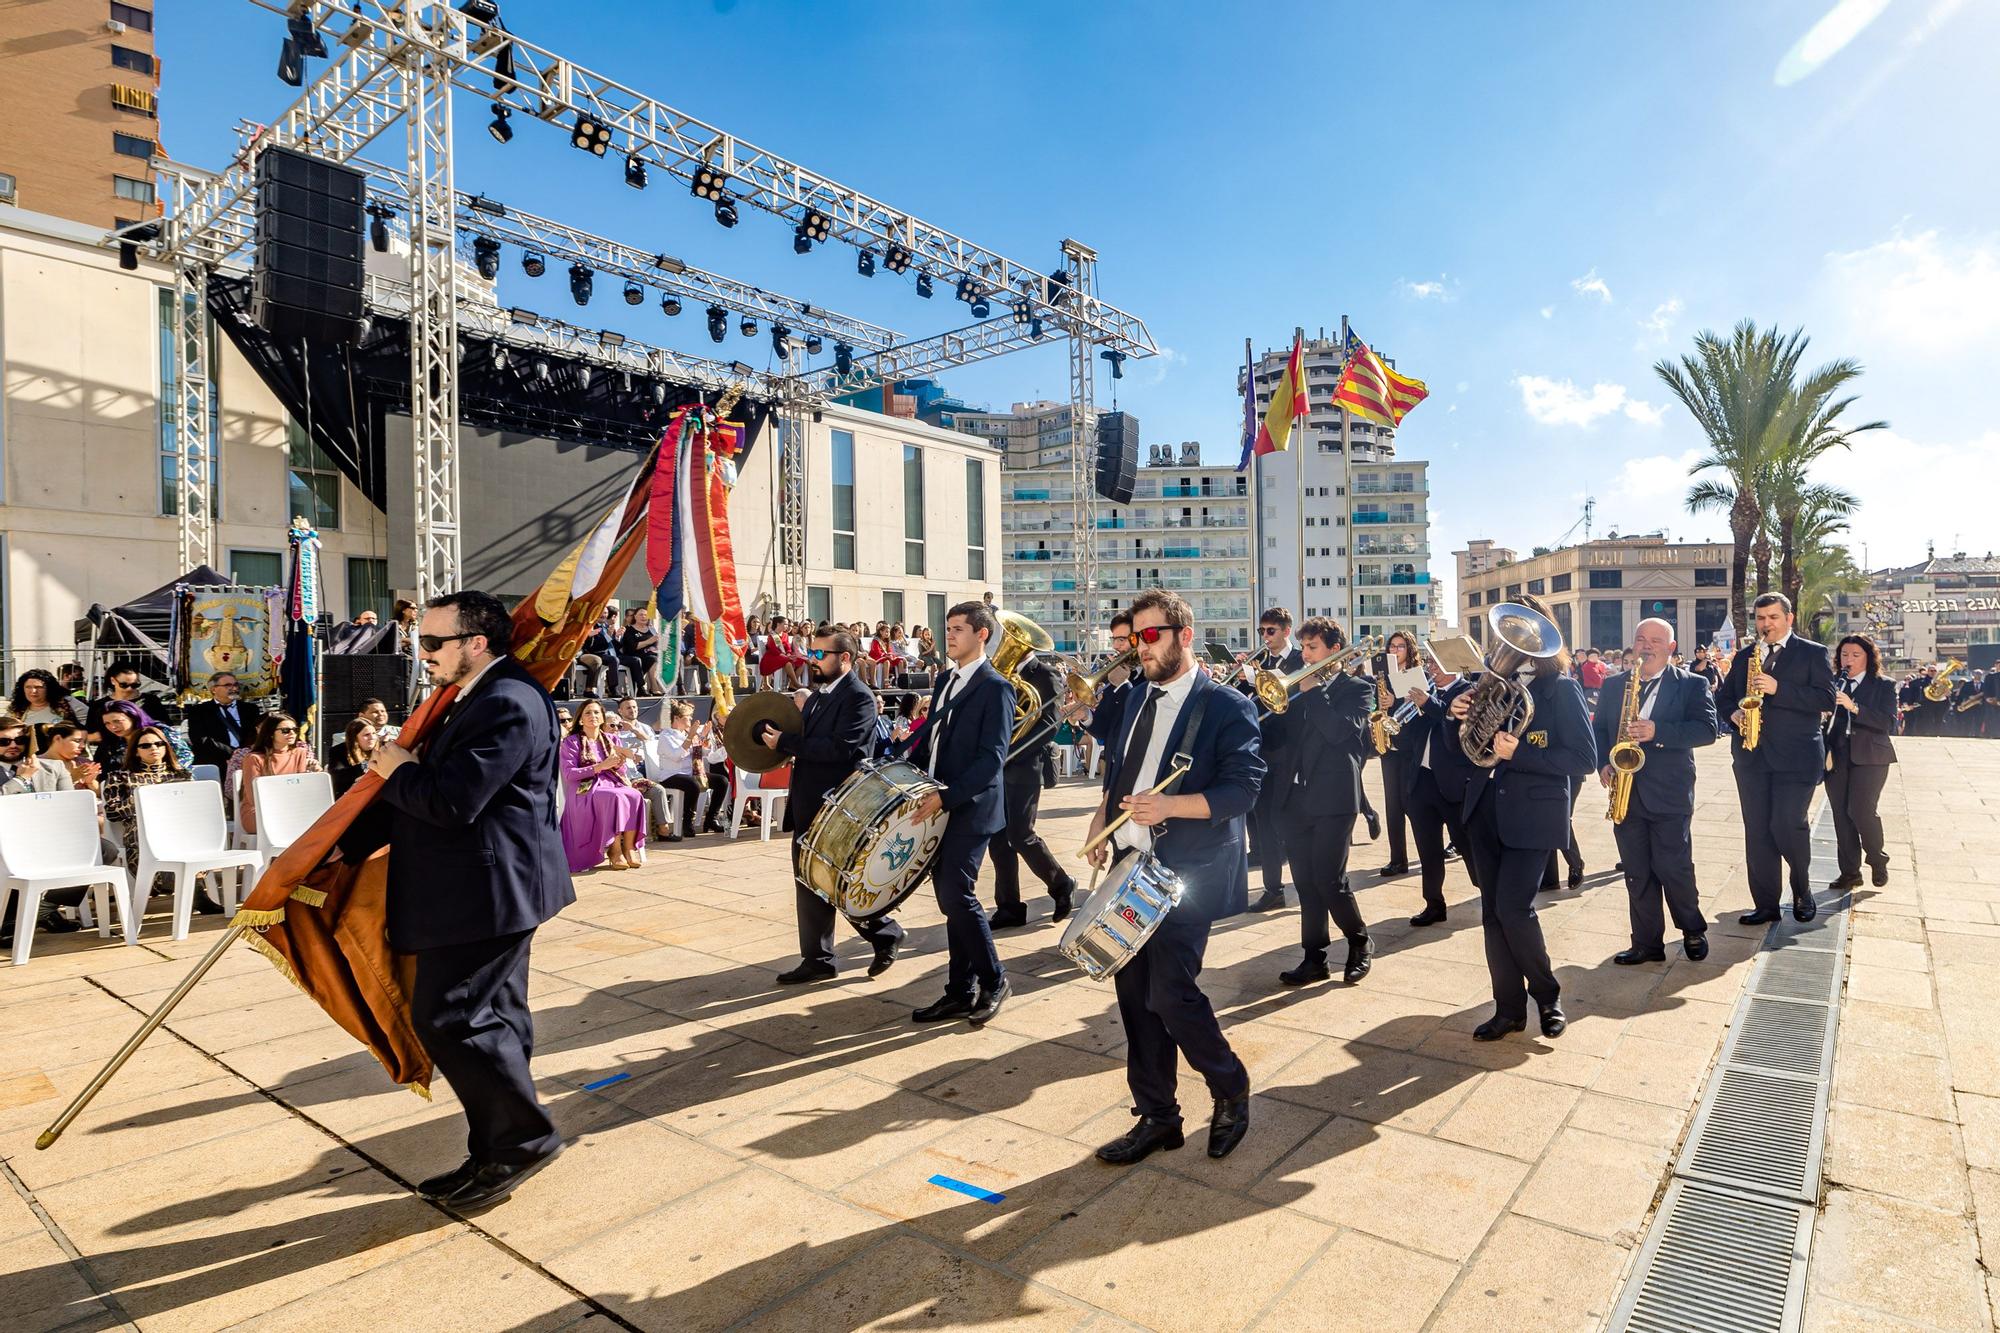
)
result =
(1370, 388)
(1288, 402)
(324, 925)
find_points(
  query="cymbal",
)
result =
(740, 728)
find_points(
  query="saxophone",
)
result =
(1382, 728)
(1626, 757)
(1752, 702)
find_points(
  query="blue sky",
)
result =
(1526, 205)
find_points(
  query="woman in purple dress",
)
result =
(601, 810)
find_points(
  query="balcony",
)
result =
(1389, 580)
(1129, 555)
(1363, 550)
(1038, 555)
(1393, 518)
(1382, 488)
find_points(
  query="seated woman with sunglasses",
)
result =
(275, 750)
(149, 761)
(601, 810)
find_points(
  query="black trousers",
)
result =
(1367, 806)
(816, 916)
(1432, 818)
(1267, 837)
(1776, 835)
(1317, 845)
(1165, 1013)
(1568, 852)
(1853, 793)
(470, 1009)
(1517, 957)
(1020, 842)
(1394, 808)
(955, 876)
(1658, 852)
(690, 791)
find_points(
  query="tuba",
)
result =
(1020, 636)
(1499, 702)
(1626, 758)
(1275, 692)
(1940, 689)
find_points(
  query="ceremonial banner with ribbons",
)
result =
(1369, 387)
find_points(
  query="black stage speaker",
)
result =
(307, 282)
(349, 678)
(1117, 456)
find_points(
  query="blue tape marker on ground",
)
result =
(605, 1082)
(984, 1196)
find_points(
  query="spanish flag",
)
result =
(1288, 402)
(1370, 388)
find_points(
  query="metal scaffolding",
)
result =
(193, 427)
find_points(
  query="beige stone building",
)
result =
(1601, 590)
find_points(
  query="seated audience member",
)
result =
(222, 724)
(40, 700)
(376, 714)
(350, 760)
(116, 723)
(674, 764)
(603, 816)
(149, 762)
(275, 750)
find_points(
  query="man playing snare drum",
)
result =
(839, 730)
(1176, 716)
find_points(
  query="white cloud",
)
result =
(1561, 403)
(1916, 491)
(1591, 285)
(1437, 289)
(1462, 386)
(1924, 294)
(1658, 327)
(1655, 477)
(1548, 312)
(1827, 38)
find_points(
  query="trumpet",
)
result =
(1274, 691)
(1085, 688)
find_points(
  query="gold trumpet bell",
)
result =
(1085, 689)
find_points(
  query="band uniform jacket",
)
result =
(1271, 729)
(1227, 766)
(1867, 731)
(1326, 728)
(1531, 791)
(976, 729)
(1791, 740)
(1683, 720)
(211, 736)
(1104, 718)
(473, 821)
(1453, 773)
(838, 731)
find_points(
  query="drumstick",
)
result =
(1119, 822)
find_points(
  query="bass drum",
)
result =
(866, 850)
(1108, 930)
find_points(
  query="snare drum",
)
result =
(866, 850)
(1121, 915)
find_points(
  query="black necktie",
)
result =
(1135, 750)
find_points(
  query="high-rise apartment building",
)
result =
(81, 102)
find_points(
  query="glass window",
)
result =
(256, 569)
(367, 587)
(1562, 610)
(843, 499)
(1607, 578)
(170, 440)
(935, 606)
(1607, 624)
(139, 192)
(892, 606)
(132, 16)
(131, 145)
(1561, 582)
(1709, 613)
(314, 480)
(124, 57)
(913, 509)
(1513, 592)
(1537, 586)
(819, 604)
(1711, 578)
(1662, 608)
(975, 518)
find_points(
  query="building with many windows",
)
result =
(1939, 608)
(1601, 590)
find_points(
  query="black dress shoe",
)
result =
(1630, 957)
(944, 1010)
(1269, 902)
(207, 906)
(805, 972)
(1554, 1021)
(1879, 876)
(451, 1182)
(988, 1004)
(52, 920)
(1393, 869)
(1006, 918)
(1229, 1124)
(1430, 916)
(1852, 881)
(1695, 947)
(1451, 852)
(1063, 905)
(1306, 973)
(1374, 824)
(1496, 1027)
(494, 1181)
(1804, 907)
(1360, 957)
(1576, 875)
(1763, 916)
(885, 957)
(1147, 1137)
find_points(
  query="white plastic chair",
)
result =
(48, 840)
(182, 834)
(207, 773)
(287, 805)
(239, 837)
(677, 801)
(770, 803)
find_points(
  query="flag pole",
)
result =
(1299, 466)
(1256, 493)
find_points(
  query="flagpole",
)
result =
(1299, 466)
(1256, 495)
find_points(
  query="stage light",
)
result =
(591, 135)
(801, 243)
(1023, 312)
(718, 323)
(924, 285)
(864, 263)
(725, 211)
(708, 183)
(748, 327)
(1117, 360)
(781, 342)
(967, 290)
(843, 360)
(1035, 328)
(378, 227)
(483, 12)
(897, 259)
(499, 357)
(659, 394)
(634, 294)
(635, 172)
(486, 254)
(583, 377)
(981, 308)
(533, 264)
(1059, 287)
(305, 37)
(541, 370)
(817, 226)
(128, 256)
(742, 369)
(670, 305)
(479, 203)
(580, 278)
(500, 129)
(813, 344)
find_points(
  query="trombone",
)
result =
(1274, 692)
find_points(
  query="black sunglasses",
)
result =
(150, 745)
(1154, 633)
(430, 643)
(1273, 629)
(13, 740)
(287, 731)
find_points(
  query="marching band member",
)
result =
(1177, 714)
(1775, 781)
(1267, 819)
(1110, 705)
(1655, 839)
(1435, 781)
(1029, 767)
(1319, 782)
(1401, 655)
(964, 746)
(838, 732)
(1859, 747)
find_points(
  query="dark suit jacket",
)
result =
(1326, 732)
(1209, 855)
(1531, 790)
(1791, 741)
(1024, 762)
(1272, 729)
(976, 729)
(1450, 770)
(1863, 738)
(838, 734)
(1110, 711)
(1683, 720)
(211, 737)
(472, 824)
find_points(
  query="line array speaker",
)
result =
(307, 281)
(1117, 456)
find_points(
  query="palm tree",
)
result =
(1825, 571)
(1809, 428)
(1737, 389)
(1806, 520)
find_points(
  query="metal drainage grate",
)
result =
(1799, 974)
(1718, 1262)
(1789, 1036)
(1759, 1132)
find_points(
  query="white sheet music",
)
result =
(1404, 679)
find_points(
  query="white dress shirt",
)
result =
(671, 754)
(1166, 711)
(1649, 692)
(959, 681)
